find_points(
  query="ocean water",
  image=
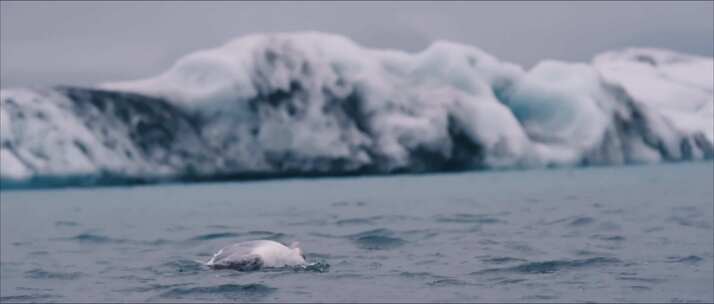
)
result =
(635, 234)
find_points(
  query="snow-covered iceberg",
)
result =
(319, 104)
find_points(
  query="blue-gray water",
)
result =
(636, 234)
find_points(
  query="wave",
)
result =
(552, 266)
(225, 291)
(43, 274)
(313, 104)
(377, 239)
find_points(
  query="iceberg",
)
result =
(271, 105)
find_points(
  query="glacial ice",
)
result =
(314, 103)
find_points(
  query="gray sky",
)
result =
(85, 43)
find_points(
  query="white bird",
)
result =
(253, 255)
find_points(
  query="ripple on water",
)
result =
(33, 289)
(640, 279)
(377, 239)
(610, 238)
(572, 221)
(347, 276)
(373, 220)
(156, 242)
(692, 259)
(581, 221)
(152, 287)
(348, 204)
(99, 239)
(268, 235)
(421, 234)
(221, 227)
(501, 260)
(421, 275)
(134, 278)
(213, 236)
(552, 266)
(28, 297)
(688, 221)
(43, 274)
(354, 221)
(225, 291)
(176, 267)
(92, 238)
(447, 282)
(468, 218)
(66, 224)
(507, 281)
(642, 288)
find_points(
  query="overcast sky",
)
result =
(84, 43)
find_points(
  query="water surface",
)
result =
(635, 234)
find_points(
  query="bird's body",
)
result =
(253, 255)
